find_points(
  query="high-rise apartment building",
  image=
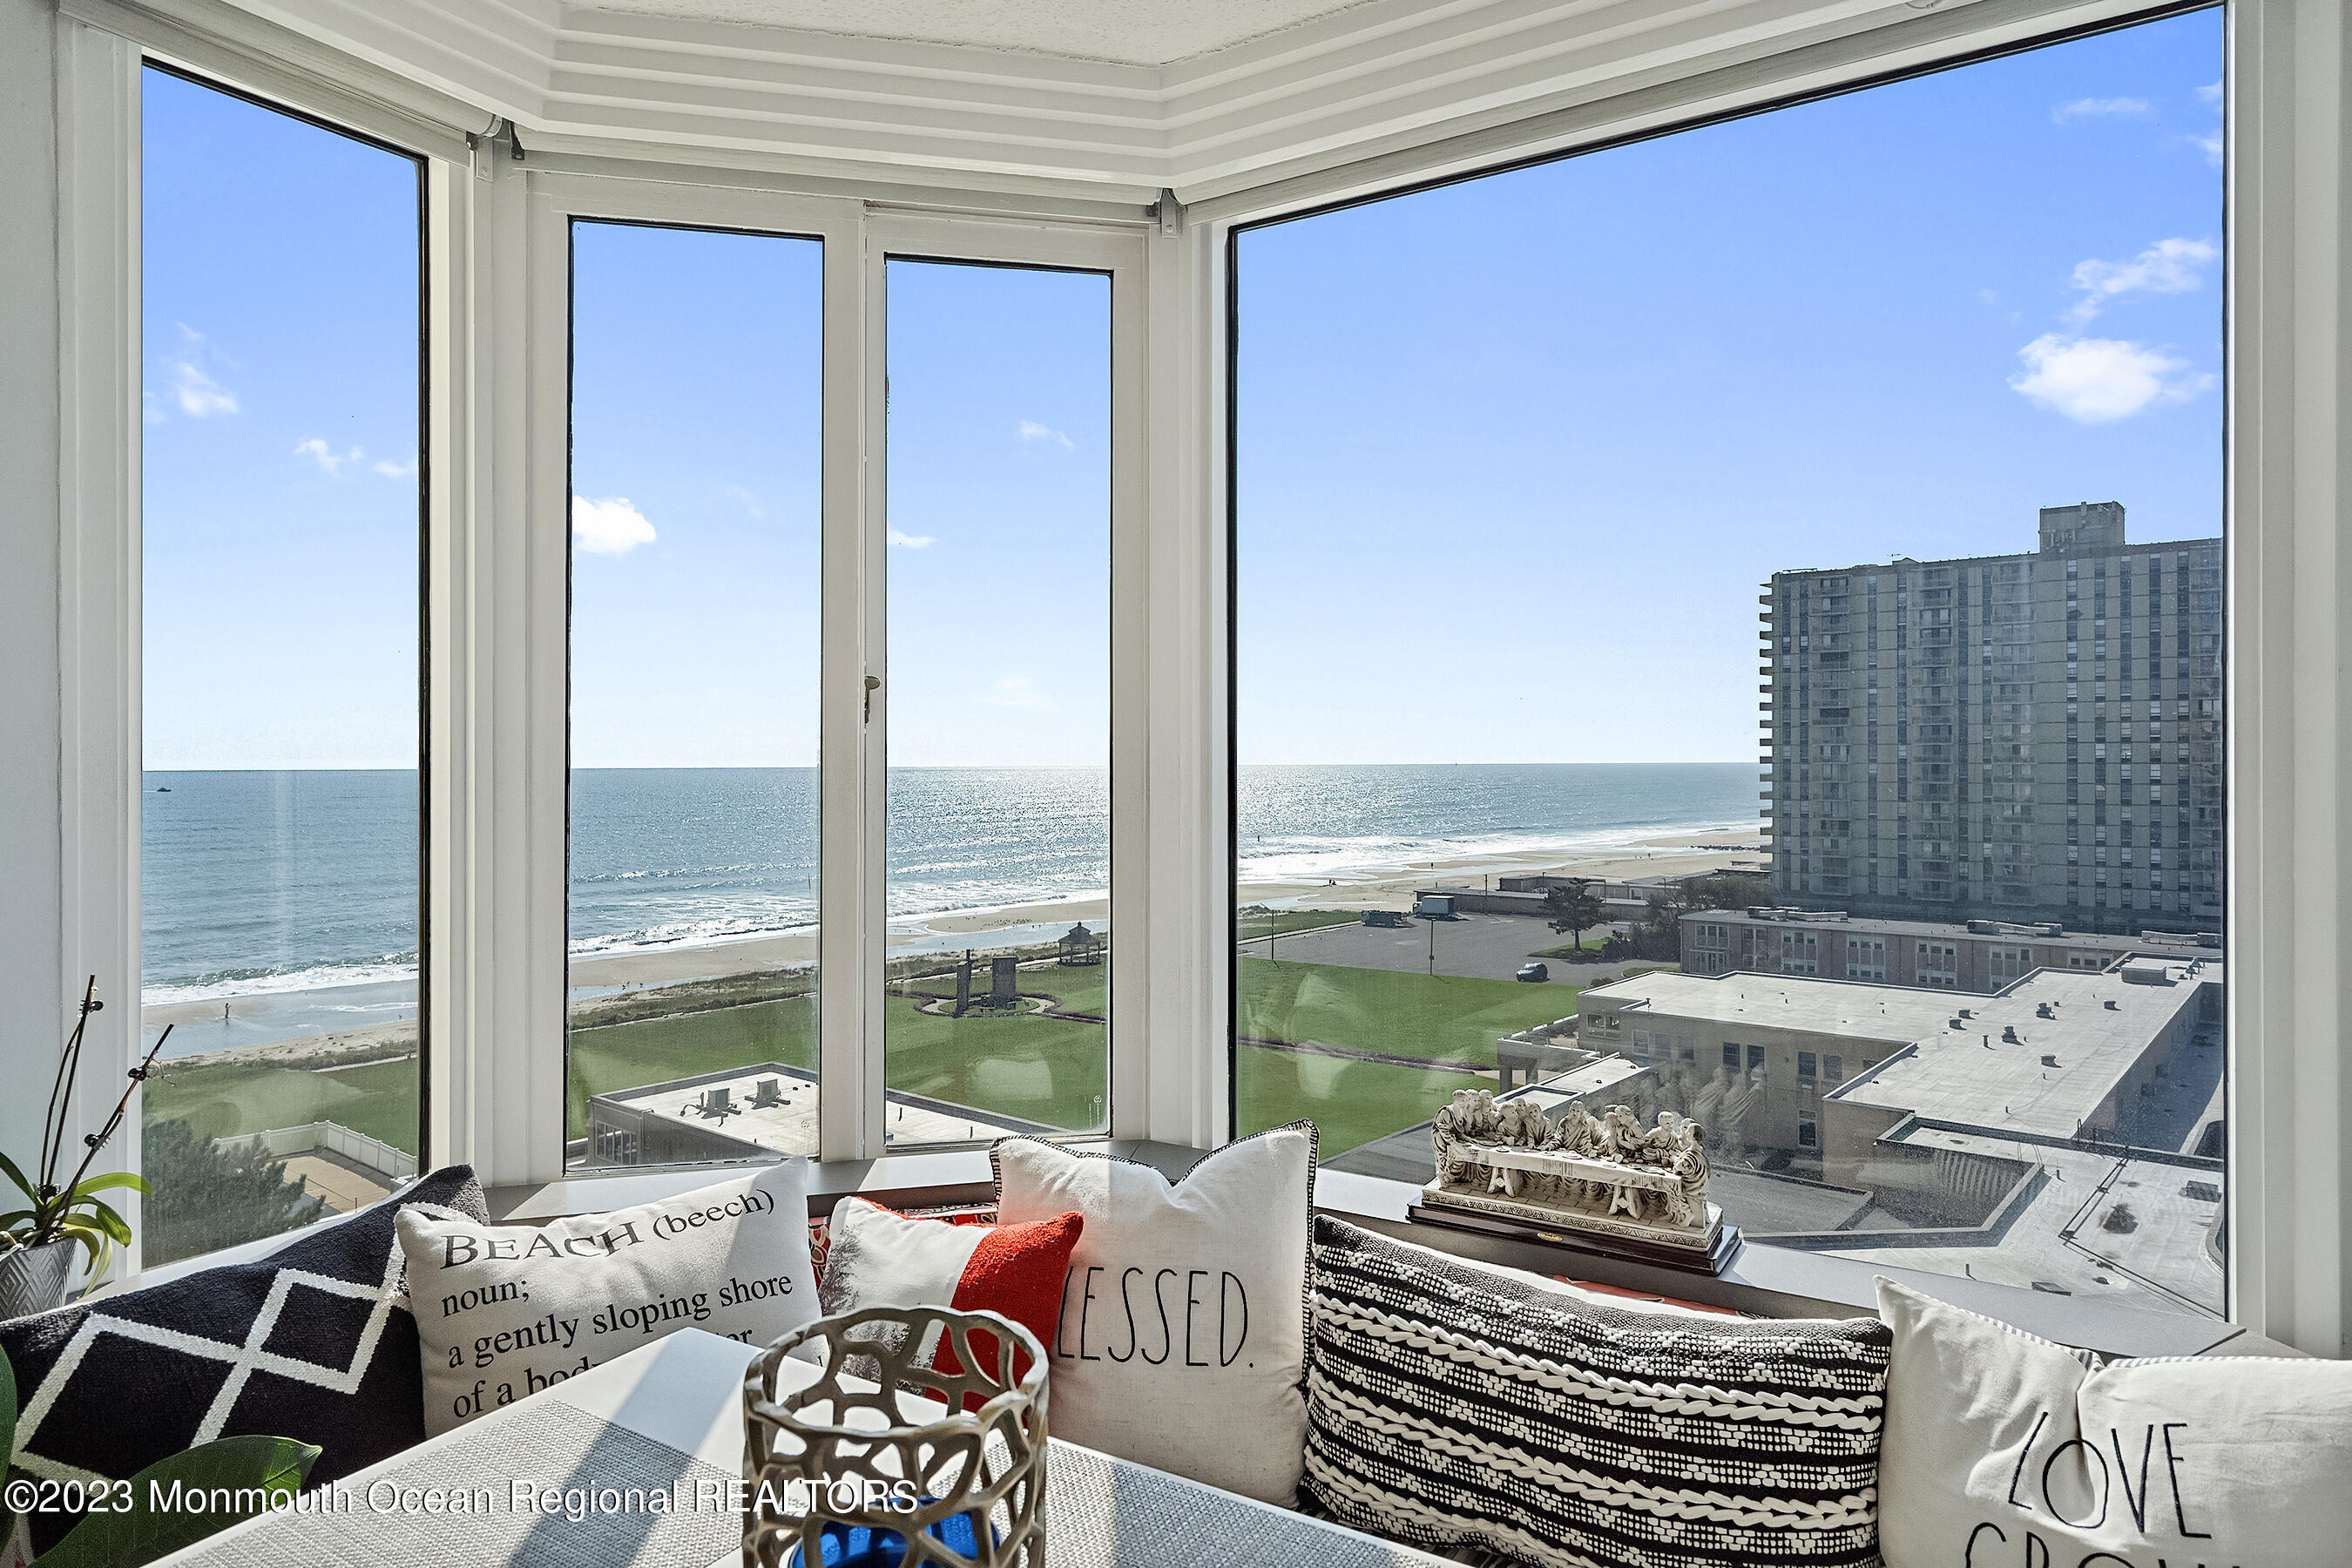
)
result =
(2032, 738)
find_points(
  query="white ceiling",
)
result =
(1128, 32)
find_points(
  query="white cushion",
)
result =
(1181, 1343)
(2002, 1448)
(502, 1311)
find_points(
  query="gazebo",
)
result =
(1080, 946)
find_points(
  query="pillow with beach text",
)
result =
(1181, 1340)
(504, 1310)
(2004, 1449)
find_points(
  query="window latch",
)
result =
(873, 685)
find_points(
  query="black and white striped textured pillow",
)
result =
(1452, 1405)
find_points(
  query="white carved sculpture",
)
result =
(1609, 1174)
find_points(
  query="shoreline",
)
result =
(1369, 888)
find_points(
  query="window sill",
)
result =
(1765, 1281)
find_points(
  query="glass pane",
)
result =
(1922, 383)
(279, 867)
(695, 554)
(998, 703)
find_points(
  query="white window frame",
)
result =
(68, 844)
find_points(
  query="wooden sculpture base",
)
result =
(1708, 1260)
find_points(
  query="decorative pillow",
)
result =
(1180, 1339)
(2005, 1448)
(504, 1310)
(1449, 1405)
(313, 1341)
(879, 1259)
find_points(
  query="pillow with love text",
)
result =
(2004, 1449)
(1180, 1340)
(504, 1310)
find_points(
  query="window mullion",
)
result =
(851, 940)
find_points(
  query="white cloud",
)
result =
(612, 527)
(2094, 108)
(1016, 692)
(393, 470)
(151, 409)
(2211, 146)
(2211, 94)
(199, 394)
(2168, 267)
(2097, 381)
(743, 497)
(1032, 431)
(328, 460)
(911, 541)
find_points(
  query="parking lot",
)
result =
(1483, 947)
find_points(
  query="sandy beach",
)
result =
(1388, 887)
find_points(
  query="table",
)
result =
(667, 1417)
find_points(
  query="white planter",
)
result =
(33, 1278)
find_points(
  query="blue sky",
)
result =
(280, 516)
(1513, 454)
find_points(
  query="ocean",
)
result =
(290, 897)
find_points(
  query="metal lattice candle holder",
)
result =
(839, 1446)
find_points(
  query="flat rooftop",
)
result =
(2157, 1252)
(789, 1126)
(2164, 943)
(1962, 1069)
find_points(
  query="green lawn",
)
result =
(1349, 1102)
(1047, 1070)
(685, 1044)
(1253, 925)
(1435, 1016)
(379, 1100)
(1043, 1070)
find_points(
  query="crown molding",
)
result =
(1363, 83)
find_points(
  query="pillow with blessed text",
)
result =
(1181, 1340)
(2004, 1449)
(505, 1310)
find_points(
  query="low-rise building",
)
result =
(1983, 957)
(1822, 1069)
(755, 1113)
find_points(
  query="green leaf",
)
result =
(17, 1176)
(7, 1438)
(113, 1224)
(137, 1183)
(237, 1472)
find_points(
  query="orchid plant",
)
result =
(71, 1211)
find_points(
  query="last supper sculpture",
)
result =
(1604, 1176)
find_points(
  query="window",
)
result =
(695, 578)
(1938, 963)
(998, 703)
(1417, 465)
(280, 809)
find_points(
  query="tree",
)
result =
(1574, 909)
(1722, 890)
(206, 1197)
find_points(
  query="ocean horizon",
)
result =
(261, 882)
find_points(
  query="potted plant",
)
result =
(37, 1242)
(252, 1474)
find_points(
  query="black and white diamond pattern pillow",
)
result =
(314, 1342)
